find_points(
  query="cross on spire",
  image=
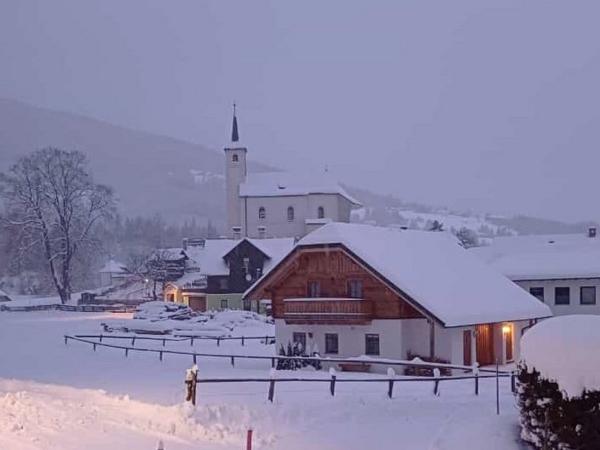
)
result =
(235, 137)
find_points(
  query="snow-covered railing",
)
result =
(178, 338)
(274, 358)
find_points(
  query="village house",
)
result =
(561, 270)
(350, 290)
(113, 273)
(212, 274)
(278, 204)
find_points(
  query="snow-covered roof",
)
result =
(435, 272)
(275, 184)
(209, 259)
(543, 257)
(3, 296)
(113, 266)
(565, 349)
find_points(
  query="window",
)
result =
(237, 232)
(331, 343)
(258, 272)
(224, 304)
(223, 284)
(290, 214)
(300, 338)
(588, 295)
(537, 292)
(355, 289)
(262, 232)
(262, 213)
(235, 158)
(321, 212)
(314, 289)
(562, 296)
(371, 344)
(246, 263)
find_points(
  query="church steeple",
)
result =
(235, 137)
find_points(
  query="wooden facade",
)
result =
(333, 269)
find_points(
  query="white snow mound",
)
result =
(565, 349)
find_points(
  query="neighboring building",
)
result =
(4, 296)
(278, 204)
(113, 273)
(355, 290)
(213, 274)
(562, 270)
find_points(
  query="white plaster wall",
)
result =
(575, 307)
(276, 222)
(235, 174)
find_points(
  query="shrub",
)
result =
(550, 420)
(295, 364)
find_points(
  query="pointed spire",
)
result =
(235, 137)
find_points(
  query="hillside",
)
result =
(158, 174)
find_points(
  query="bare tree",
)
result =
(51, 199)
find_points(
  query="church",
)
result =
(278, 204)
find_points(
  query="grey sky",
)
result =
(485, 104)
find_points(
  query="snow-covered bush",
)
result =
(559, 384)
(295, 364)
(162, 310)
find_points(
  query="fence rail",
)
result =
(274, 358)
(68, 308)
(177, 338)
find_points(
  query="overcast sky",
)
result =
(492, 105)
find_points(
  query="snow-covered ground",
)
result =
(57, 396)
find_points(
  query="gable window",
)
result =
(246, 262)
(371, 344)
(562, 296)
(313, 289)
(290, 214)
(537, 292)
(235, 158)
(331, 343)
(262, 213)
(224, 304)
(588, 295)
(300, 338)
(355, 289)
(321, 212)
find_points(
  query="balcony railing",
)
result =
(327, 310)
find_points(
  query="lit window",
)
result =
(290, 214)
(262, 213)
(321, 212)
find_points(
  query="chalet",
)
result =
(213, 274)
(352, 290)
(561, 270)
(113, 273)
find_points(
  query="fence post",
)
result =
(436, 385)
(164, 342)
(266, 340)
(133, 341)
(218, 342)
(126, 352)
(160, 355)
(497, 390)
(513, 384)
(476, 373)
(242, 341)
(232, 361)
(391, 374)
(191, 380)
(272, 363)
(94, 346)
(249, 440)
(66, 338)
(332, 383)
(161, 446)
(192, 341)
(194, 358)
(272, 386)
(100, 337)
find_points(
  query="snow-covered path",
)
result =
(50, 397)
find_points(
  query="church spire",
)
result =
(235, 137)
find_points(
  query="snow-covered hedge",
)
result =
(559, 383)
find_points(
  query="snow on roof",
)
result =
(436, 272)
(208, 260)
(273, 184)
(565, 349)
(543, 257)
(113, 266)
(3, 296)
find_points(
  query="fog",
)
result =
(487, 105)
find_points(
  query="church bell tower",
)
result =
(235, 174)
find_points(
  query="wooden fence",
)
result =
(179, 338)
(273, 359)
(68, 308)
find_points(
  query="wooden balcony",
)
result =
(327, 311)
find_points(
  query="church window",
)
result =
(235, 158)
(321, 212)
(290, 214)
(262, 213)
